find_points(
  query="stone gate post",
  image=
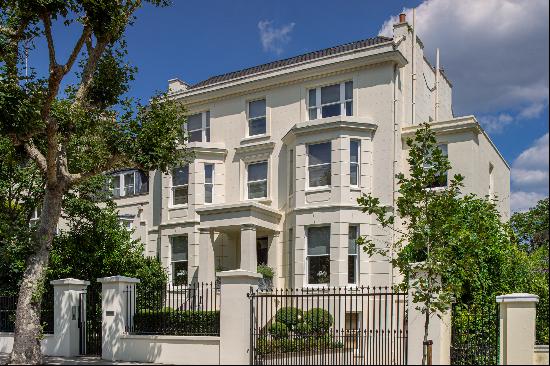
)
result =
(235, 315)
(517, 328)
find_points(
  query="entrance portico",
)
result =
(236, 228)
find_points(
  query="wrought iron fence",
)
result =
(174, 310)
(475, 334)
(337, 326)
(8, 307)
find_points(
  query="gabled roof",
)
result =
(293, 60)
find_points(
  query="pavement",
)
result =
(80, 360)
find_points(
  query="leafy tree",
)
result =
(89, 128)
(531, 228)
(424, 223)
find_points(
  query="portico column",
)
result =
(249, 262)
(206, 256)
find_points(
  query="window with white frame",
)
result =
(126, 222)
(318, 255)
(440, 180)
(257, 180)
(354, 167)
(291, 256)
(198, 127)
(179, 260)
(180, 185)
(353, 257)
(319, 161)
(331, 100)
(208, 182)
(129, 183)
(257, 117)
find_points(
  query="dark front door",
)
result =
(261, 250)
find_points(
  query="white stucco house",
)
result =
(284, 149)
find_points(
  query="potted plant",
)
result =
(266, 282)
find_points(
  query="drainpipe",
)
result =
(436, 85)
(394, 164)
(413, 65)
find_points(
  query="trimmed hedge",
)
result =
(265, 346)
(289, 316)
(319, 320)
(278, 330)
(175, 322)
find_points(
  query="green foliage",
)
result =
(278, 330)
(265, 271)
(277, 346)
(303, 329)
(175, 322)
(319, 320)
(289, 316)
(531, 227)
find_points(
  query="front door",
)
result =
(261, 250)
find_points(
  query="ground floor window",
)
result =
(179, 259)
(318, 255)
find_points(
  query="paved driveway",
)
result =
(82, 360)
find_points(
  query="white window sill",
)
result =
(265, 200)
(318, 189)
(177, 207)
(317, 286)
(249, 139)
(355, 188)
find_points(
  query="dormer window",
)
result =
(198, 127)
(331, 100)
(129, 183)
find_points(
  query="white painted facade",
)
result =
(223, 234)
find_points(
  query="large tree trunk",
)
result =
(26, 346)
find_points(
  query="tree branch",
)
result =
(36, 155)
(51, 47)
(84, 37)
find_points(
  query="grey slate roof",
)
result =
(293, 60)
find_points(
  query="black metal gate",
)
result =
(89, 323)
(475, 335)
(337, 326)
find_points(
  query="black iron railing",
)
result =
(475, 334)
(174, 310)
(337, 326)
(8, 307)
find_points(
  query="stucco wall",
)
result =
(540, 356)
(170, 349)
(48, 344)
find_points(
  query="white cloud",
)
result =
(530, 176)
(274, 39)
(494, 124)
(494, 51)
(523, 201)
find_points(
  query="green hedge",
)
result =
(289, 316)
(319, 320)
(175, 322)
(265, 346)
(278, 330)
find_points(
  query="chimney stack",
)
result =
(176, 85)
(402, 18)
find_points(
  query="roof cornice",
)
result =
(455, 125)
(329, 65)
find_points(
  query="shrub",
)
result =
(175, 322)
(278, 330)
(289, 316)
(265, 271)
(303, 329)
(319, 320)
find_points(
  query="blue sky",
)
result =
(495, 52)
